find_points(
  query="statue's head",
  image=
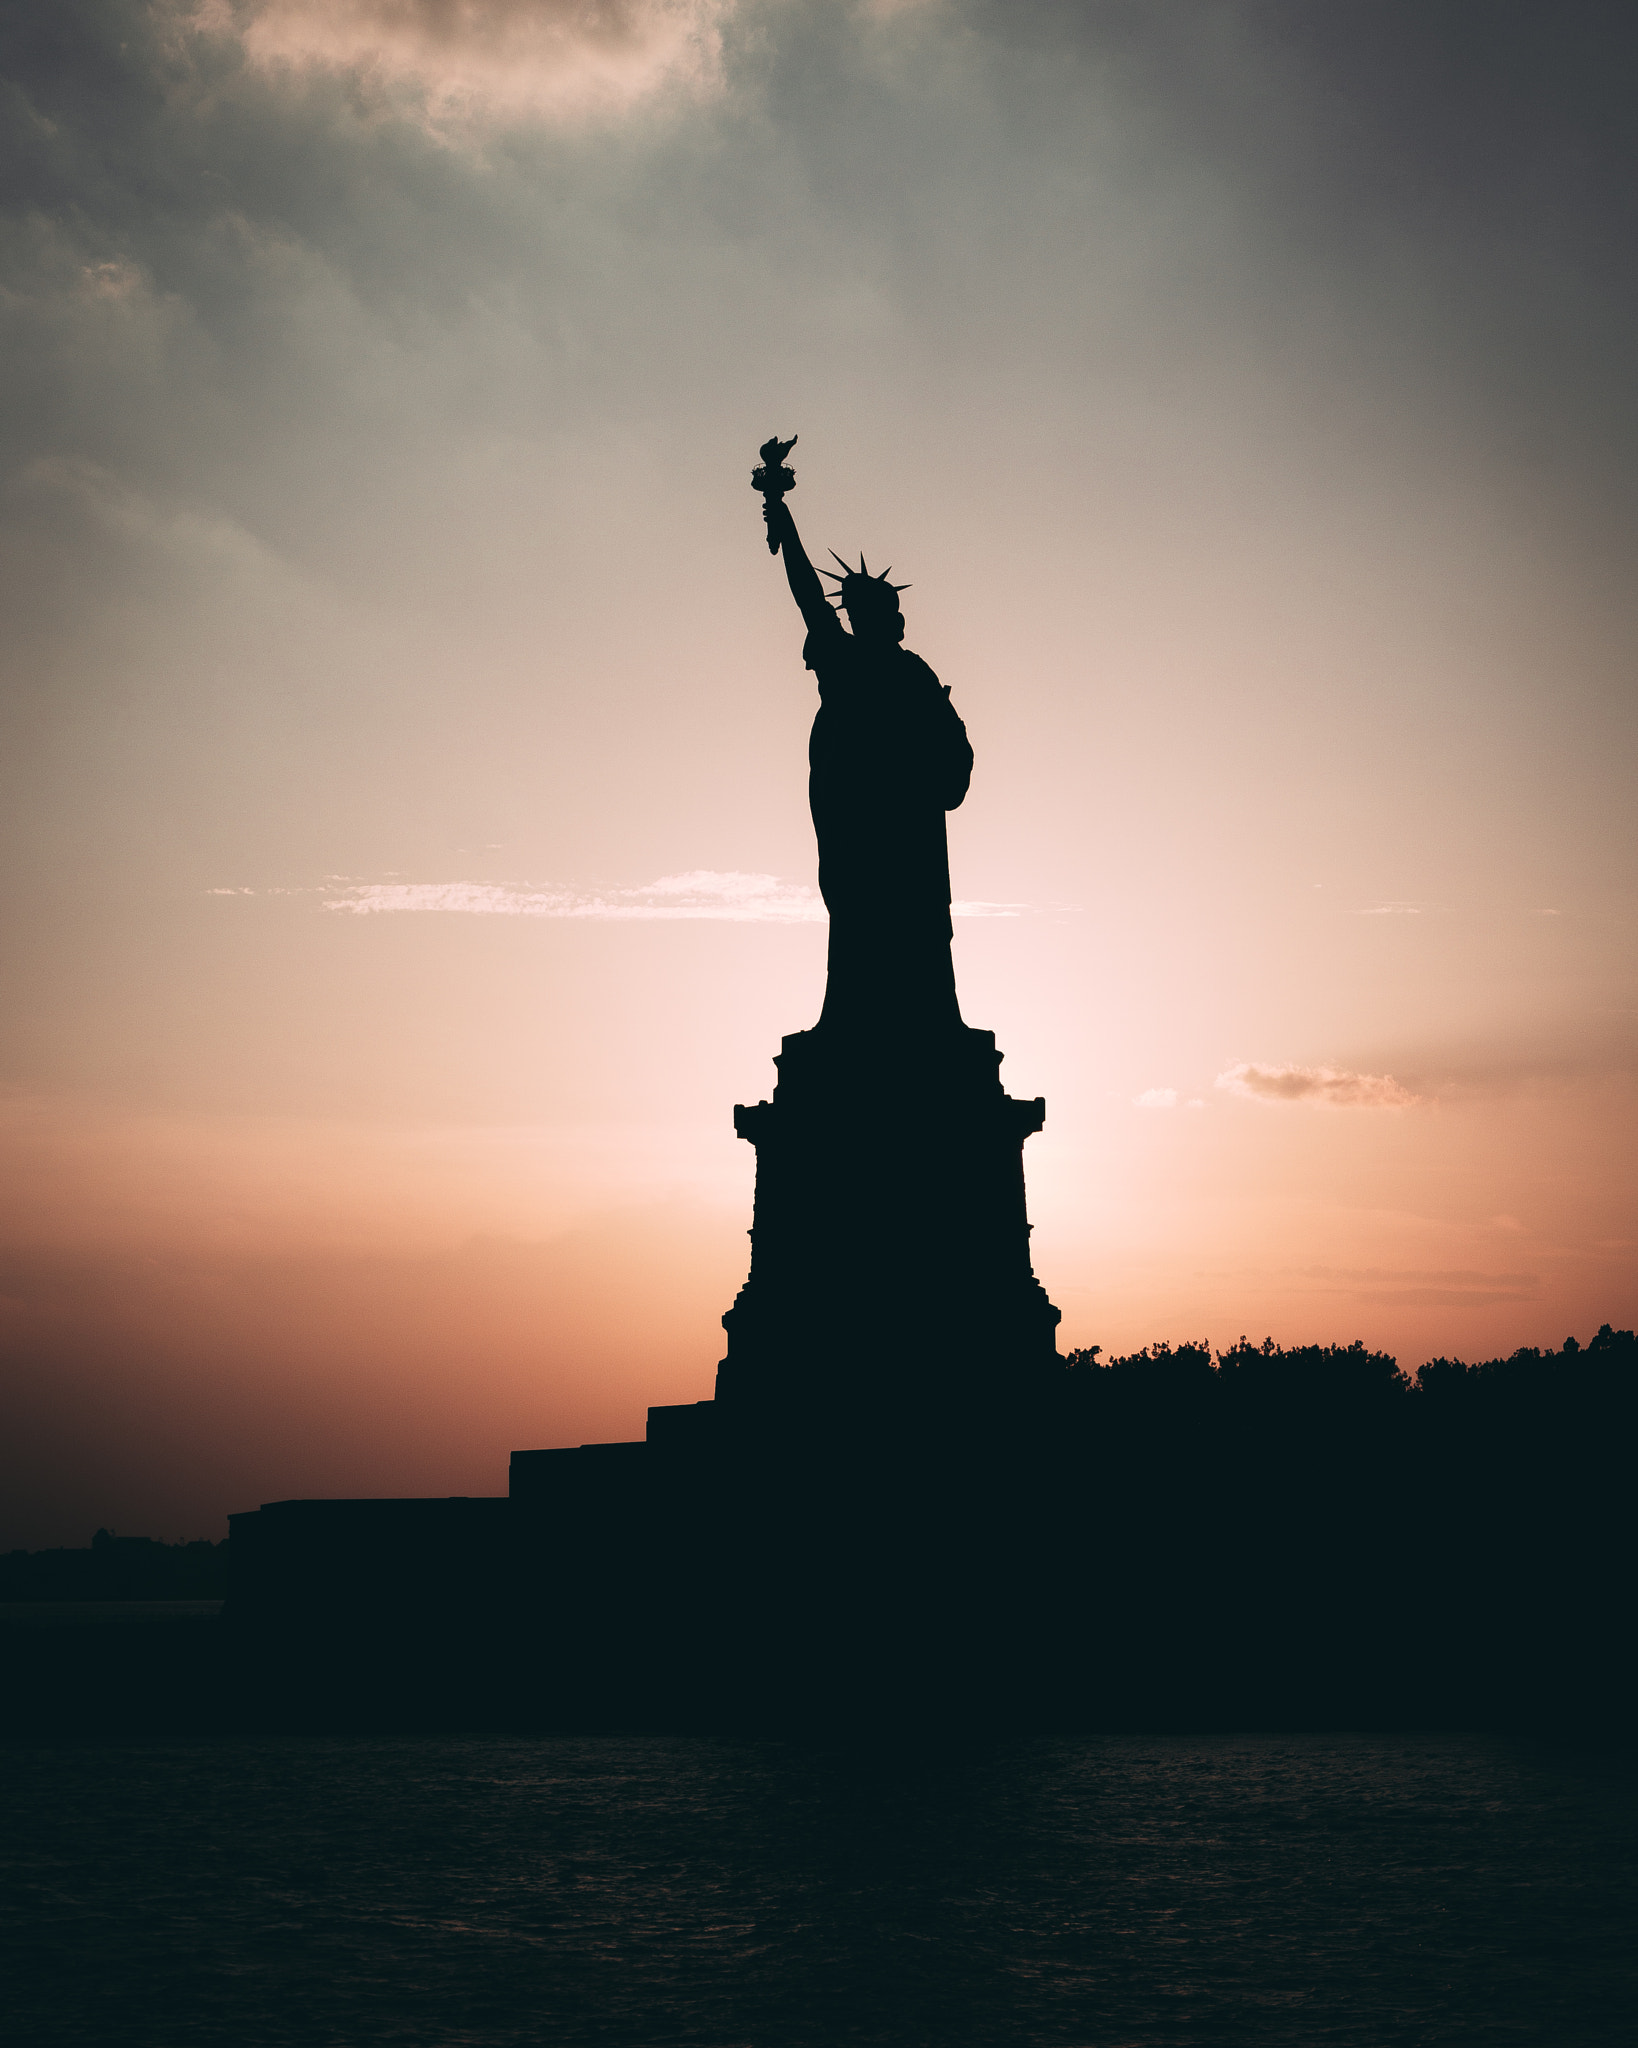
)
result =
(871, 602)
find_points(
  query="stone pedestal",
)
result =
(890, 1270)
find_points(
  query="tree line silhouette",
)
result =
(1350, 1374)
(1311, 1527)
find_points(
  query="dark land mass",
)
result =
(1272, 1539)
(117, 1568)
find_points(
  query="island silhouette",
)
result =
(902, 1504)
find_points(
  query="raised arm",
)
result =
(800, 573)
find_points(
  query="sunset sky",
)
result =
(407, 856)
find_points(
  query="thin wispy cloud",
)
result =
(1320, 1087)
(206, 540)
(1421, 1288)
(703, 893)
(709, 894)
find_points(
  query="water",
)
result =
(105, 1614)
(756, 1894)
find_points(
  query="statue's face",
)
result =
(877, 624)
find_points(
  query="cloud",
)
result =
(1393, 1287)
(452, 62)
(702, 893)
(1324, 1087)
(120, 279)
(1545, 1060)
(1165, 1098)
(967, 907)
(210, 541)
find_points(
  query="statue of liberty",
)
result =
(890, 1266)
(887, 758)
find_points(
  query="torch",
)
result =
(773, 479)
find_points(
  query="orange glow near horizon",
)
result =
(410, 864)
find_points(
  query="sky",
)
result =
(407, 863)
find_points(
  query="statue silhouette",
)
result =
(890, 1271)
(887, 758)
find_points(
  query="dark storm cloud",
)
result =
(246, 287)
(1452, 184)
(1463, 172)
(1500, 120)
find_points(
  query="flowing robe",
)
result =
(887, 758)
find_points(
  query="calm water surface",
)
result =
(641, 1891)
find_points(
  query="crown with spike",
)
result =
(858, 588)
